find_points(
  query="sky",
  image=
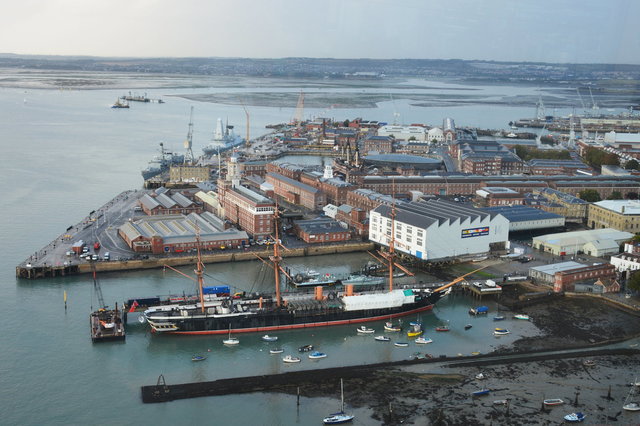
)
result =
(602, 31)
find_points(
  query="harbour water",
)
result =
(66, 153)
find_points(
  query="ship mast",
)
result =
(391, 256)
(276, 258)
(199, 269)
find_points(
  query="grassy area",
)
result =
(465, 269)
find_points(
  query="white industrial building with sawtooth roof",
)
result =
(437, 229)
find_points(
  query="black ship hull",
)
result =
(283, 319)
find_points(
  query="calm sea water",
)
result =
(66, 153)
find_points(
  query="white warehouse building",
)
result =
(419, 133)
(437, 229)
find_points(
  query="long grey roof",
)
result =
(319, 226)
(522, 213)
(293, 182)
(424, 214)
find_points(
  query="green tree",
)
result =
(412, 138)
(632, 195)
(590, 195)
(633, 282)
(615, 195)
(632, 165)
(346, 123)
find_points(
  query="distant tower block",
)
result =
(328, 171)
(233, 172)
(299, 115)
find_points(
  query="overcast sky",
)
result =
(519, 30)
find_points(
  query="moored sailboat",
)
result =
(339, 417)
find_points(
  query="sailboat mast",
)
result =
(199, 270)
(341, 396)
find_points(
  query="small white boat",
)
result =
(365, 330)
(574, 417)
(381, 338)
(522, 317)
(632, 406)
(291, 359)
(423, 340)
(553, 401)
(388, 326)
(589, 363)
(480, 376)
(501, 332)
(401, 344)
(230, 341)
(500, 402)
(317, 355)
(268, 338)
(276, 351)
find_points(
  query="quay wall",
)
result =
(128, 265)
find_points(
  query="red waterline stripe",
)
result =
(307, 325)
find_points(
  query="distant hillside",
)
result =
(528, 72)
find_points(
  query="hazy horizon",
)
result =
(570, 31)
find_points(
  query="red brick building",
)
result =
(296, 192)
(321, 231)
(565, 280)
(249, 210)
(380, 144)
(285, 169)
(163, 203)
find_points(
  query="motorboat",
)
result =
(415, 330)
(480, 376)
(317, 355)
(423, 340)
(291, 359)
(481, 392)
(522, 317)
(574, 417)
(388, 326)
(468, 326)
(401, 344)
(499, 318)
(442, 328)
(276, 351)
(501, 332)
(305, 348)
(500, 402)
(381, 339)
(479, 310)
(198, 358)
(589, 363)
(268, 338)
(553, 401)
(365, 330)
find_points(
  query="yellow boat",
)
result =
(415, 330)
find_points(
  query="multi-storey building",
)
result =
(438, 229)
(623, 215)
(296, 192)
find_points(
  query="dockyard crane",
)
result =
(188, 143)
(594, 105)
(584, 107)
(248, 127)
(298, 117)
